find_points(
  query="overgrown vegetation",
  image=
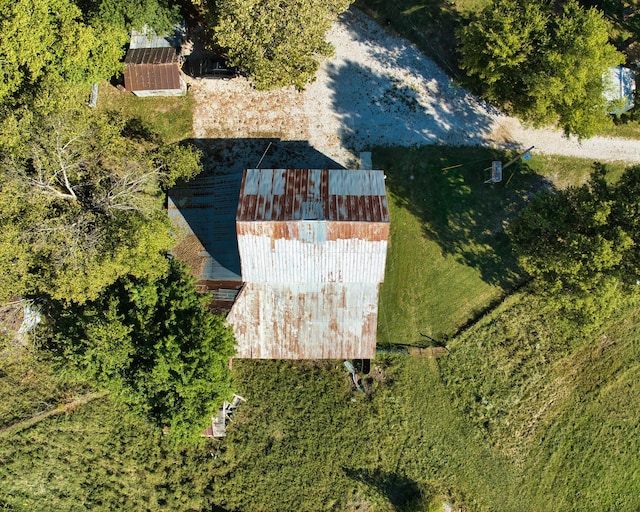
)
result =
(561, 406)
(581, 244)
(523, 399)
(154, 344)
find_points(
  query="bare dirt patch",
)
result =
(233, 109)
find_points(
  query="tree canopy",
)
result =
(50, 57)
(278, 43)
(543, 65)
(581, 243)
(82, 204)
(152, 342)
(133, 14)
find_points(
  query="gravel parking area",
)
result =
(378, 89)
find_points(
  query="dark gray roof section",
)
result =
(205, 212)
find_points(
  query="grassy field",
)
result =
(449, 257)
(564, 409)
(524, 414)
(521, 416)
(169, 117)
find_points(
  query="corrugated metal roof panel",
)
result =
(312, 252)
(147, 38)
(151, 69)
(204, 211)
(313, 194)
(290, 321)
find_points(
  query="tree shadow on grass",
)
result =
(445, 188)
(402, 493)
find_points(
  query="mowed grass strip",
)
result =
(449, 257)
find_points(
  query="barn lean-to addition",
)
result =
(312, 248)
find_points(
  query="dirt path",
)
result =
(378, 89)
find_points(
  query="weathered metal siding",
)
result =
(152, 69)
(311, 258)
(313, 194)
(312, 247)
(307, 321)
(312, 226)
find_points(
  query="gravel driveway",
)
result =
(378, 89)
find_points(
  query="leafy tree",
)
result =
(50, 57)
(580, 243)
(82, 205)
(132, 14)
(152, 342)
(278, 43)
(544, 66)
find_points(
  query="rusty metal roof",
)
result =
(311, 226)
(313, 194)
(312, 248)
(203, 212)
(302, 321)
(152, 69)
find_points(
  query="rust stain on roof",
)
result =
(313, 194)
(327, 321)
(150, 69)
(313, 246)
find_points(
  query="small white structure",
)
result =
(619, 89)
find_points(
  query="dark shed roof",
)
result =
(204, 210)
(151, 69)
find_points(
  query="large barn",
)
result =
(312, 247)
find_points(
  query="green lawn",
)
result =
(449, 257)
(169, 117)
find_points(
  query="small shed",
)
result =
(619, 89)
(152, 65)
(312, 245)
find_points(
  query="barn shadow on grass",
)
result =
(445, 188)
